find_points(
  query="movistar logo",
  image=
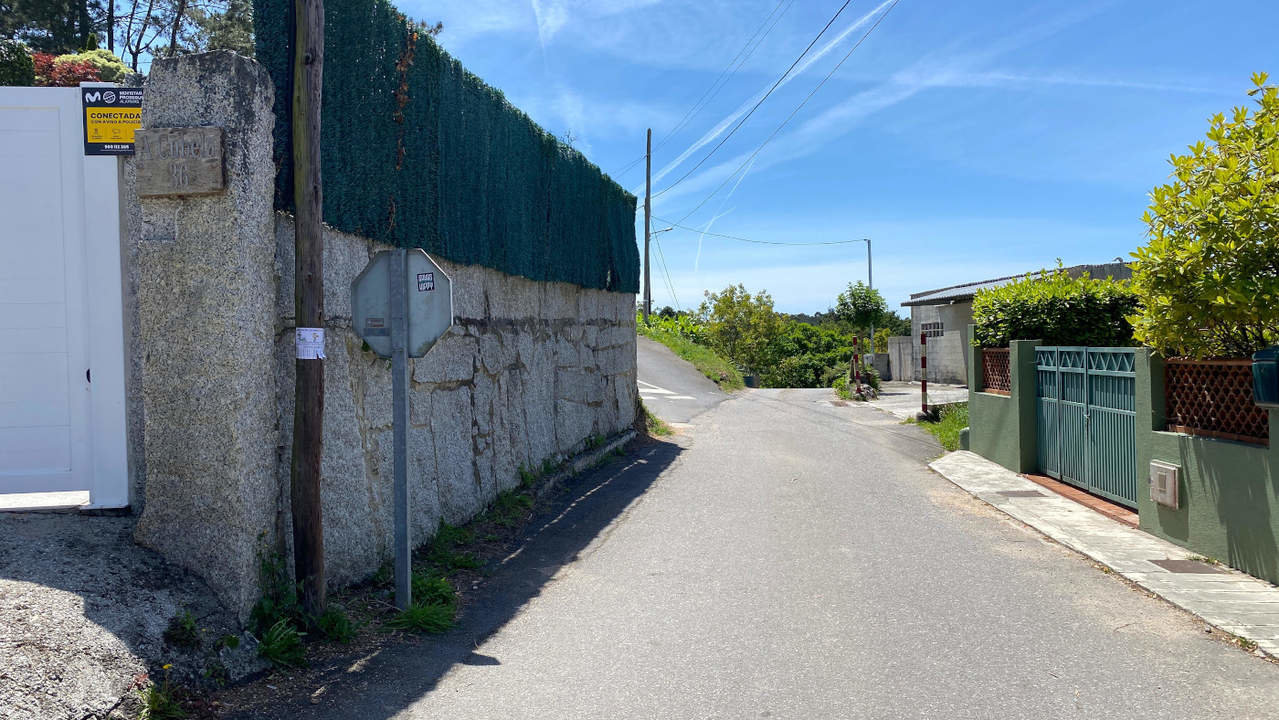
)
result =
(92, 96)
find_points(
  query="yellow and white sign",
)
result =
(110, 117)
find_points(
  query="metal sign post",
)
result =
(400, 425)
(401, 303)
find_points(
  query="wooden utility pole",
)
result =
(648, 210)
(308, 298)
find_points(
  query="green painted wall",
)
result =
(1002, 428)
(1229, 491)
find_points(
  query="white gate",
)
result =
(62, 416)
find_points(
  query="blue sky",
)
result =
(969, 140)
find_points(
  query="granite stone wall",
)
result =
(530, 372)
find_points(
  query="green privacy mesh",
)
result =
(418, 152)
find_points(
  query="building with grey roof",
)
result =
(944, 314)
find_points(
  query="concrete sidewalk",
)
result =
(903, 400)
(1226, 599)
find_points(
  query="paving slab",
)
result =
(1224, 598)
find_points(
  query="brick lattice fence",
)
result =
(1214, 398)
(995, 374)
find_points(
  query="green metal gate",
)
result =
(1085, 407)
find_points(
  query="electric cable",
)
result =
(755, 107)
(792, 114)
(749, 240)
(726, 74)
(670, 285)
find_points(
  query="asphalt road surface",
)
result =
(784, 557)
(673, 389)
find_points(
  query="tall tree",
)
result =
(53, 26)
(860, 306)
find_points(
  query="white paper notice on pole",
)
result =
(309, 343)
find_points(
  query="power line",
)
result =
(792, 114)
(724, 75)
(755, 107)
(665, 271)
(749, 240)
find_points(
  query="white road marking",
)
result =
(653, 392)
(650, 388)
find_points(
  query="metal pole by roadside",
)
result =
(399, 427)
(923, 371)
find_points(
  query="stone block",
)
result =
(469, 290)
(493, 353)
(206, 270)
(451, 360)
(616, 359)
(559, 302)
(372, 379)
(567, 354)
(578, 385)
(512, 297)
(452, 427)
(573, 424)
(420, 404)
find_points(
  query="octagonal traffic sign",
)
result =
(428, 302)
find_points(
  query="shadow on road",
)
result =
(396, 676)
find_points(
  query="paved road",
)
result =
(785, 558)
(673, 389)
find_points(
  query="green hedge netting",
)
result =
(457, 170)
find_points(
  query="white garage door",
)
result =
(61, 342)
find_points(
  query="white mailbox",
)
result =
(1163, 483)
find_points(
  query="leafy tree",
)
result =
(52, 26)
(740, 325)
(1209, 277)
(860, 306)
(895, 324)
(16, 66)
(807, 356)
(1056, 308)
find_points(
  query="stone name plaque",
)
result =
(179, 161)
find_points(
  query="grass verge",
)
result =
(951, 419)
(655, 426)
(707, 361)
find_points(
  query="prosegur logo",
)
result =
(107, 97)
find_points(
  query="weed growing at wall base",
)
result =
(160, 700)
(950, 420)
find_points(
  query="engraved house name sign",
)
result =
(179, 161)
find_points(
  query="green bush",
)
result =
(110, 68)
(16, 66)
(840, 384)
(1056, 308)
(1209, 277)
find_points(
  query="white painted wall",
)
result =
(62, 419)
